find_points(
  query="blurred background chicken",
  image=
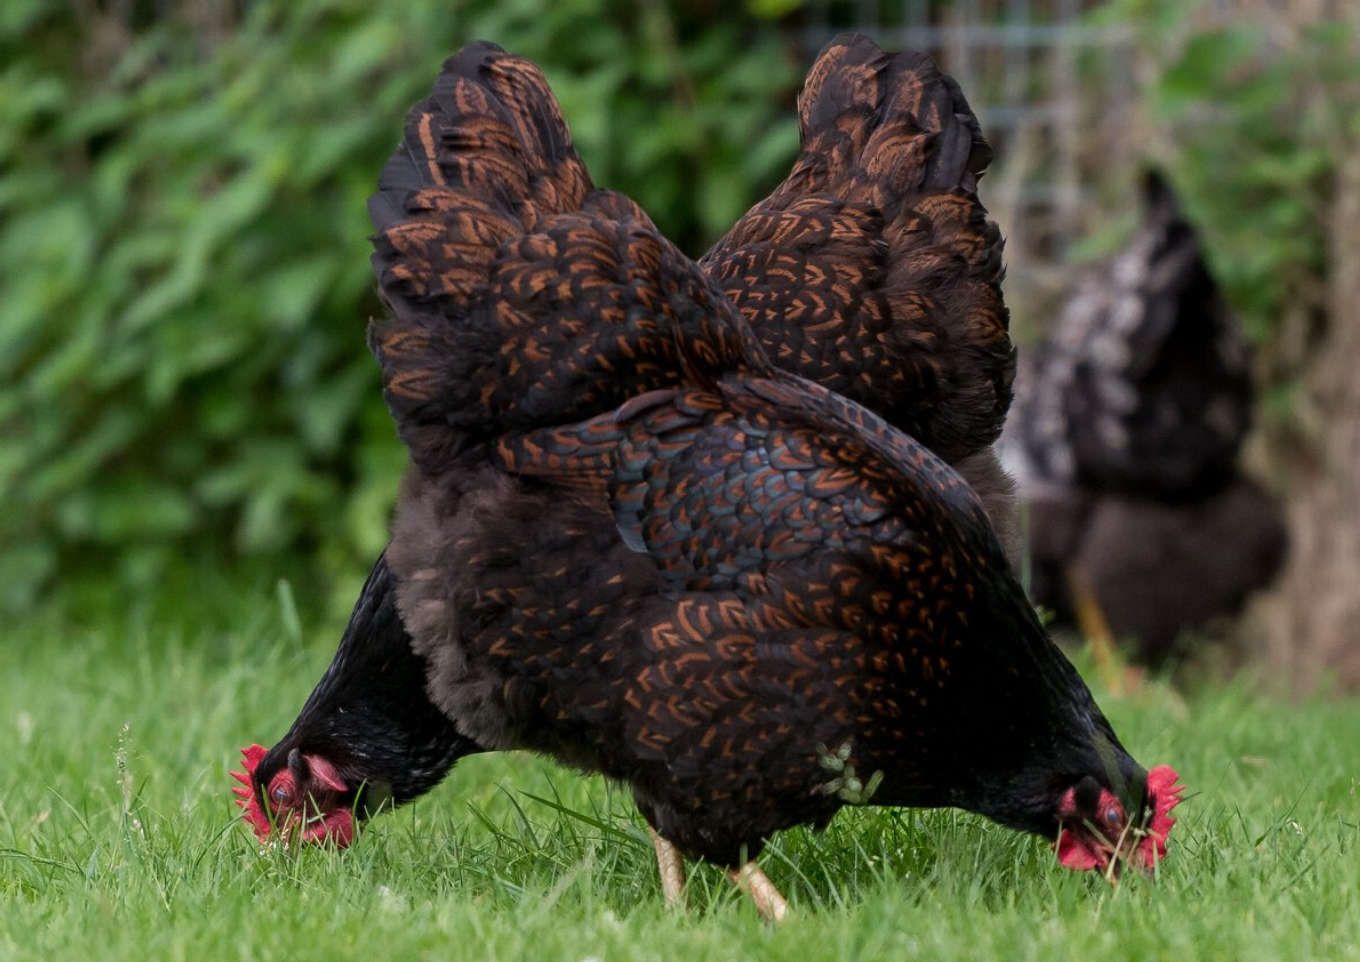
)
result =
(1124, 440)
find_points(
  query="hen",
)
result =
(1124, 442)
(629, 541)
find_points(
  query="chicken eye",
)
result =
(281, 794)
(1112, 815)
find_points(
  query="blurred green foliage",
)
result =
(184, 243)
(185, 258)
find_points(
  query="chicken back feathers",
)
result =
(794, 578)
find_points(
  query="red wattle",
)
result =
(1077, 854)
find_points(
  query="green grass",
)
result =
(118, 840)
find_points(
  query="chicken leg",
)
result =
(672, 867)
(749, 878)
(769, 902)
(1119, 678)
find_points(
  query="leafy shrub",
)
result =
(184, 244)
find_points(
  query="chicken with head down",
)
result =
(635, 539)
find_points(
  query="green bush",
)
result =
(185, 255)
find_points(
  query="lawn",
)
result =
(118, 839)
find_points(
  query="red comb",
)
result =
(1161, 783)
(245, 793)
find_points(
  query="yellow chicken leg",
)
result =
(672, 867)
(1119, 678)
(769, 902)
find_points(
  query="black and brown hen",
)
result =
(630, 541)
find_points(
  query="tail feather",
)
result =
(491, 124)
(855, 92)
(520, 296)
(873, 269)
